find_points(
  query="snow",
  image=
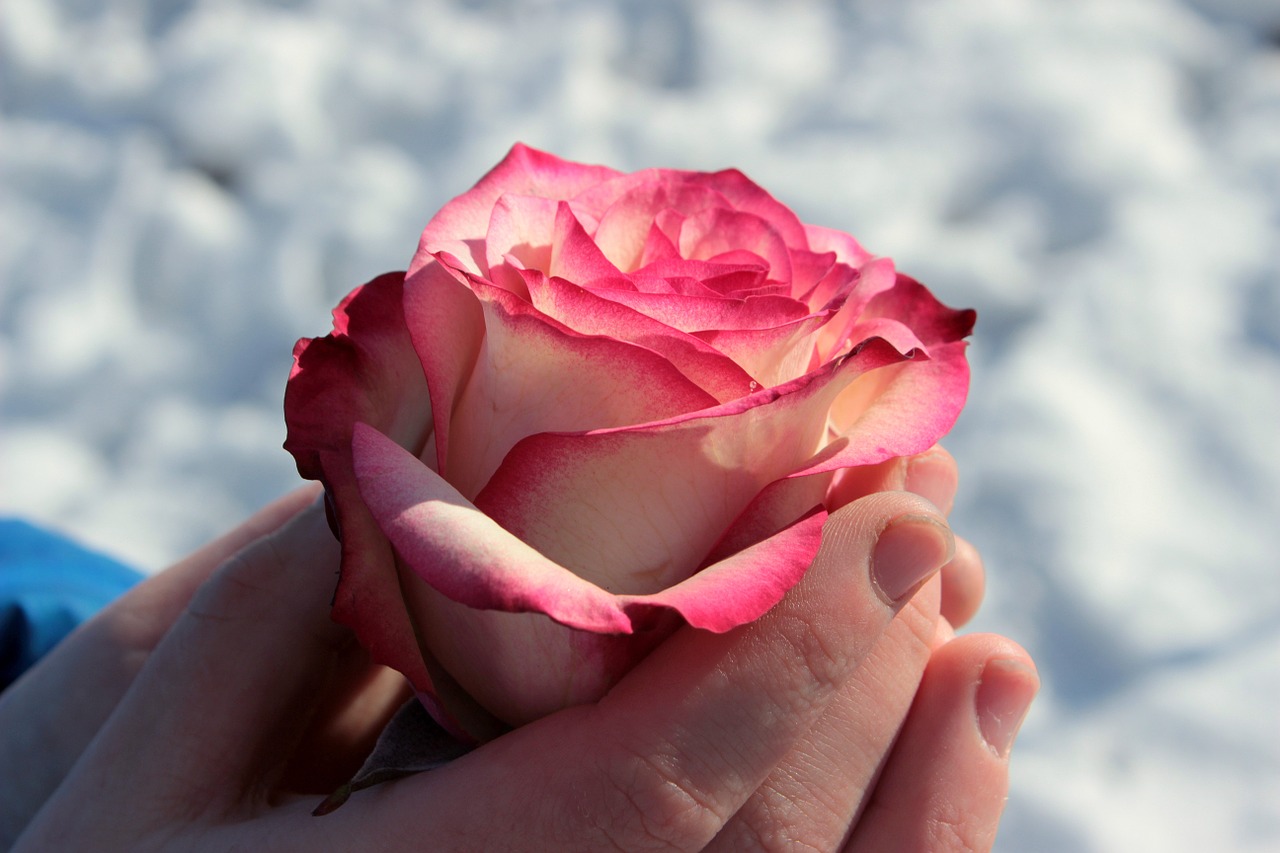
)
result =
(188, 187)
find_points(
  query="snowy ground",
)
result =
(187, 187)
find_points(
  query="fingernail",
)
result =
(932, 477)
(1002, 700)
(908, 552)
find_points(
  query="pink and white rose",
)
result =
(598, 406)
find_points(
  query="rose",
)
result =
(599, 405)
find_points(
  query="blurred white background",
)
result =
(187, 186)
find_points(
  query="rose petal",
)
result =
(662, 241)
(809, 268)
(701, 313)
(773, 356)
(446, 326)
(902, 410)
(674, 286)
(720, 232)
(671, 487)
(533, 374)
(728, 280)
(588, 314)
(906, 408)
(653, 196)
(852, 291)
(522, 666)
(366, 370)
(911, 303)
(521, 229)
(517, 664)
(463, 553)
(744, 586)
(524, 171)
(779, 504)
(749, 197)
(574, 255)
(848, 250)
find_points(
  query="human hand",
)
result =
(203, 750)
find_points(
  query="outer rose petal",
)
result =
(848, 250)
(904, 406)
(523, 666)
(365, 371)
(777, 507)
(903, 411)
(463, 553)
(674, 486)
(743, 586)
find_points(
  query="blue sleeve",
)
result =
(48, 586)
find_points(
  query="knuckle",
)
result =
(246, 585)
(232, 592)
(771, 824)
(952, 830)
(825, 660)
(647, 807)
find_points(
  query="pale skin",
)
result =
(213, 706)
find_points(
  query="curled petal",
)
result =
(910, 302)
(743, 586)
(446, 325)
(650, 501)
(365, 370)
(574, 255)
(900, 412)
(848, 250)
(461, 552)
(526, 666)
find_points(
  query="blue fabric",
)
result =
(48, 586)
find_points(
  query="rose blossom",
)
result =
(599, 405)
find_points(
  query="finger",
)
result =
(210, 719)
(963, 584)
(356, 704)
(681, 742)
(945, 785)
(96, 664)
(933, 475)
(811, 797)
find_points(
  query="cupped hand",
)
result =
(206, 711)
